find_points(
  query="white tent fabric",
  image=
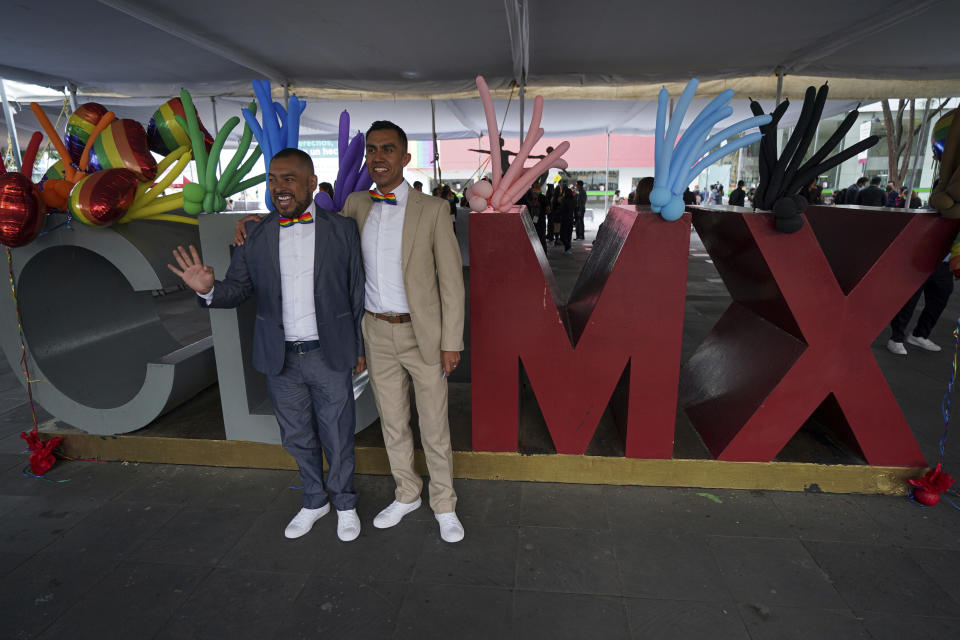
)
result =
(131, 56)
(454, 118)
(433, 47)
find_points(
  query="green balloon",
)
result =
(193, 192)
(193, 208)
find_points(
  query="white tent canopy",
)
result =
(381, 59)
(434, 47)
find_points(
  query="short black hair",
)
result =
(876, 180)
(739, 183)
(380, 125)
(292, 152)
(417, 185)
(861, 181)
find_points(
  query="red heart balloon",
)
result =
(21, 214)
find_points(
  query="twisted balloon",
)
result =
(676, 166)
(281, 127)
(508, 188)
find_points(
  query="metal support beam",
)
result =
(780, 74)
(918, 151)
(216, 127)
(11, 126)
(606, 179)
(72, 96)
(437, 176)
(523, 85)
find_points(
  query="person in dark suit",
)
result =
(580, 209)
(737, 196)
(873, 196)
(536, 204)
(304, 265)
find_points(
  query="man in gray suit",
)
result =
(304, 266)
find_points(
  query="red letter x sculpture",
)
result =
(806, 308)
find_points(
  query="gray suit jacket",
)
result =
(338, 290)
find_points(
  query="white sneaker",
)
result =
(923, 343)
(348, 525)
(393, 514)
(450, 528)
(303, 521)
(896, 347)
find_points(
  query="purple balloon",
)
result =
(344, 135)
(324, 201)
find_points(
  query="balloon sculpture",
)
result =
(352, 174)
(21, 209)
(677, 165)
(210, 194)
(945, 197)
(782, 178)
(281, 128)
(165, 134)
(938, 139)
(508, 187)
(123, 189)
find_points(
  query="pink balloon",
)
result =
(516, 167)
(493, 132)
(523, 183)
(483, 189)
(477, 203)
(535, 134)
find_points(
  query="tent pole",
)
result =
(437, 176)
(523, 85)
(779, 71)
(11, 126)
(606, 179)
(216, 126)
(72, 96)
(921, 139)
(286, 96)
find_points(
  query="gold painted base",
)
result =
(712, 474)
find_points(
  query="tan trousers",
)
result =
(394, 359)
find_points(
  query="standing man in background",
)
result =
(581, 209)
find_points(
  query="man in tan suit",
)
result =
(413, 325)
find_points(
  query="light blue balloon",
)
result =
(673, 209)
(676, 119)
(722, 151)
(659, 196)
(686, 151)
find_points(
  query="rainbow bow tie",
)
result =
(304, 218)
(385, 198)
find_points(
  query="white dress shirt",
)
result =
(381, 242)
(297, 249)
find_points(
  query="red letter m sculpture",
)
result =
(625, 313)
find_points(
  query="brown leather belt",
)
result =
(392, 318)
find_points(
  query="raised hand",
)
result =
(192, 271)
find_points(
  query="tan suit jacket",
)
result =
(432, 270)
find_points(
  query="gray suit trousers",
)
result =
(315, 409)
